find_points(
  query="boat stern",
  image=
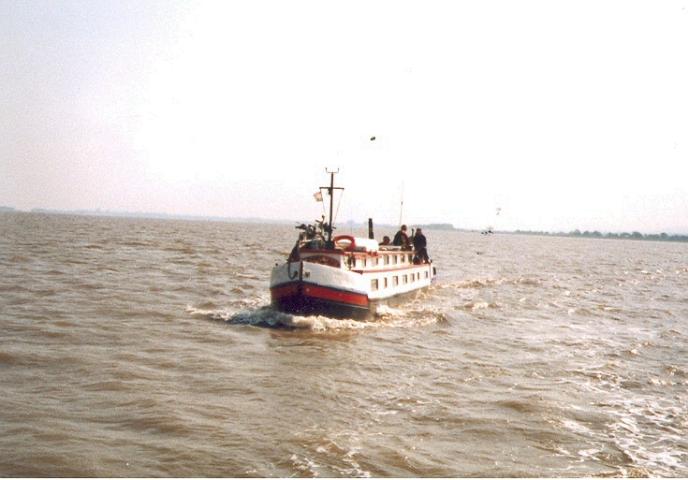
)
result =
(312, 289)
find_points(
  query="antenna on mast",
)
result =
(401, 207)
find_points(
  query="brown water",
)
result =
(147, 348)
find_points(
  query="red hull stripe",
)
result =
(335, 295)
(317, 291)
(284, 290)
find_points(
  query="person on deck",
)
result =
(401, 238)
(386, 240)
(420, 244)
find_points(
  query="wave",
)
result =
(478, 305)
(478, 283)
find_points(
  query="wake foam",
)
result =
(267, 317)
(270, 318)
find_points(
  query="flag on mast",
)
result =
(318, 196)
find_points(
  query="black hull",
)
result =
(303, 305)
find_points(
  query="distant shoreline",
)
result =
(662, 237)
(428, 226)
(154, 216)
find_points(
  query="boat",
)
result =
(344, 276)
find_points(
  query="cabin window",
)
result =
(385, 282)
(426, 274)
(386, 259)
(395, 260)
(376, 261)
(365, 262)
(405, 278)
(374, 284)
(395, 280)
(410, 259)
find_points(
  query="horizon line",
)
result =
(447, 226)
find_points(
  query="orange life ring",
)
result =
(352, 242)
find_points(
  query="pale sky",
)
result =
(564, 114)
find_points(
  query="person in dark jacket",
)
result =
(420, 244)
(401, 238)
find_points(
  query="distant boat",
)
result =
(489, 230)
(343, 276)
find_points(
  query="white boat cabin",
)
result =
(389, 270)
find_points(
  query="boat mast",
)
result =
(330, 191)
